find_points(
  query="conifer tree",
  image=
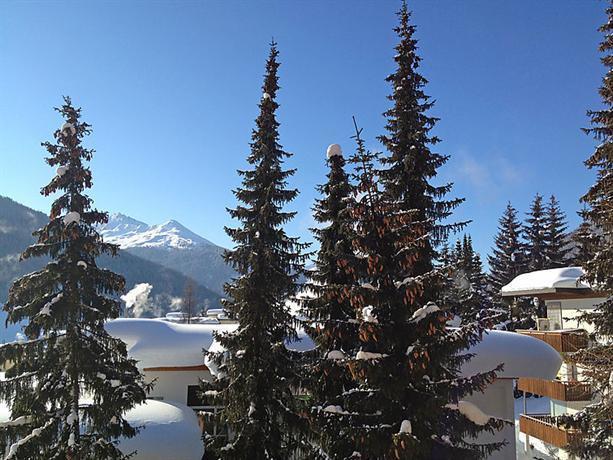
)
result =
(585, 239)
(71, 382)
(507, 259)
(534, 232)
(398, 232)
(410, 165)
(597, 360)
(330, 319)
(467, 293)
(413, 415)
(481, 298)
(556, 239)
(257, 371)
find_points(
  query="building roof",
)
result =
(157, 343)
(521, 355)
(546, 281)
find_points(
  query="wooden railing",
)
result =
(556, 389)
(543, 427)
(562, 341)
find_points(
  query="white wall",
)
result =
(572, 308)
(172, 385)
(497, 401)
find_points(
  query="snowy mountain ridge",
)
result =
(131, 233)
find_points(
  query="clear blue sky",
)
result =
(171, 90)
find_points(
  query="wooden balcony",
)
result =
(562, 341)
(543, 427)
(556, 389)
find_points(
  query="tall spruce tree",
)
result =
(418, 413)
(557, 249)
(71, 383)
(257, 371)
(597, 360)
(480, 284)
(534, 232)
(480, 298)
(330, 318)
(410, 165)
(401, 229)
(467, 291)
(508, 260)
(508, 257)
(585, 240)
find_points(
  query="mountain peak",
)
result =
(131, 233)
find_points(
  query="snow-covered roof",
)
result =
(545, 281)
(170, 431)
(157, 343)
(521, 355)
(302, 343)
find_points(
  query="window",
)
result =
(195, 396)
(207, 412)
(554, 314)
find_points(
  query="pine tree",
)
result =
(508, 257)
(330, 319)
(467, 291)
(71, 383)
(585, 240)
(414, 414)
(534, 232)
(507, 261)
(410, 165)
(597, 360)
(480, 295)
(556, 239)
(257, 376)
(403, 333)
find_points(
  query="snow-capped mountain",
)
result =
(171, 245)
(167, 269)
(131, 233)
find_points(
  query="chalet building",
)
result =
(566, 296)
(172, 354)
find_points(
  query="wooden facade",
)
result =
(543, 427)
(556, 389)
(563, 341)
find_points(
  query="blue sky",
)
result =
(171, 89)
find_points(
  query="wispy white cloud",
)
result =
(475, 172)
(510, 172)
(488, 176)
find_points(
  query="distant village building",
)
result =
(566, 297)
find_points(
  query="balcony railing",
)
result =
(556, 389)
(562, 341)
(543, 427)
